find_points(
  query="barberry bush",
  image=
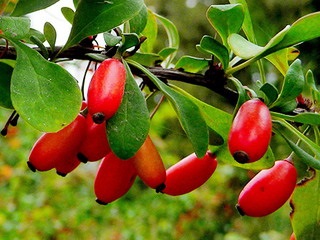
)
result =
(108, 118)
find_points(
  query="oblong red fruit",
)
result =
(149, 166)
(268, 190)
(106, 89)
(250, 132)
(52, 148)
(114, 178)
(67, 165)
(189, 174)
(95, 146)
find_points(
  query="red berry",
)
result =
(53, 148)
(67, 165)
(268, 190)
(250, 132)
(95, 146)
(189, 174)
(114, 178)
(106, 89)
(149, 166)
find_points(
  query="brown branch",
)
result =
(213, 79)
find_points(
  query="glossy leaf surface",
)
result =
(226, 19)
(53, 96)
(188, 113)
(129, 127)
(95, 16)
(27, 6)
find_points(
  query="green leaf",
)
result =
(129, 127)
(146, 59)
(247, 23)
(43, 49)
(27, 6)
(303, 155)
(95, 16)
(188, 113)
(270, 91)
(305, 117)
(173, 36)
(111, 39)
(304, 29)
(138, 23)
(292, 86)
(33, 33)
(128, 40)
(68, 14)
(14, 27)
(50, 35)
(226, 19)
(305, 202)
(43, 93)
(245, 49)
(310, 89)
(166, 52)
(220, 122)
(151, 32)
(315, 148)
(280, 58)
(75, 3)
(242, 94)
(212, 46)
(192, 64)
(5, 80)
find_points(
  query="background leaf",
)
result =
(151, 32)
(173, 37)
(226, 19)
(94, 16)
(305, 217)
(292, 85)
(192, 64)
(15, 27)
(247, 23)
(27, 6)
(305, 117)
(68, 14)
(43, 93)
(138, 23)
(215, 48)
(129, 127)
(270, 91)
(304, 29)
(50, 34)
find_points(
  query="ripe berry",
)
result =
(268, 190)
(67, 165)
(95, 146)
(106, 90)
(189, 174)
(114, 178)
(250, 132)
(149, 165)
(53, 148)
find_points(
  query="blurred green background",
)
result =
(47, 206)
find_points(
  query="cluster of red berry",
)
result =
(248, 141)
(85, 140)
